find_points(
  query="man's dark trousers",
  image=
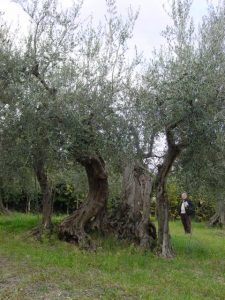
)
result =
(186, 221)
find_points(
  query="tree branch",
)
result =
(35, 72)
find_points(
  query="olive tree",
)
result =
(184, 83)
(96, 107)
(72, 82)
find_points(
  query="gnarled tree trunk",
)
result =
(74, 227)
(219, 217)
(47, 205)
(164, 244)
(132, 218)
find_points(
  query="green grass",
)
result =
(57, 270)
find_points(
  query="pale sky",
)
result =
(151, 21)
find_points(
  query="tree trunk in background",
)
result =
(132, 218)
(219, 217)
(28, 204)
(164, 244)
(74, 227)
(47, 205)
(3, 210)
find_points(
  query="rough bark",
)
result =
(164, 244)
(75, 227)
(132, 218)
(47, 205)
(219, 217)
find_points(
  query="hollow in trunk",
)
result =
(131, 220)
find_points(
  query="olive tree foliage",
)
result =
(82, 71)
(8, 87)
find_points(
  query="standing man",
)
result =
(185, 210)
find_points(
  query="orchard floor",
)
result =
(52, 270)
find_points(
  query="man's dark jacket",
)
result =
(190, 209)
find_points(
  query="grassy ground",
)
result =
(56, 270)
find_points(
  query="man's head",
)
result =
(184, 195)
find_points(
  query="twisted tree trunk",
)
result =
(132, 218)
(74, 227)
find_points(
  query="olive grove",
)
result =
(71, 97)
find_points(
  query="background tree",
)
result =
(51, 36)
(8, 94)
